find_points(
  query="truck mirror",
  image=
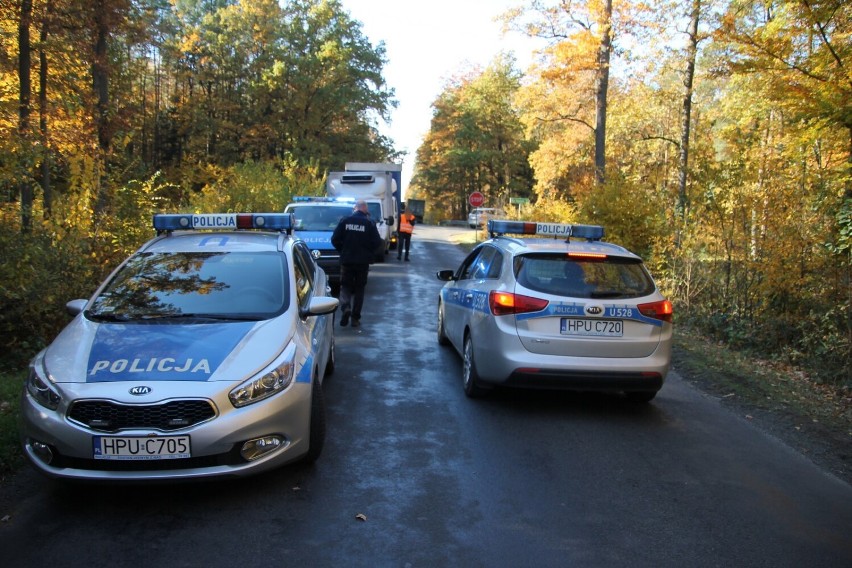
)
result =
(390, 220)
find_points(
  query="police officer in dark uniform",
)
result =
(358, 240)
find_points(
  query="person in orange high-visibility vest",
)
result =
(406, 227)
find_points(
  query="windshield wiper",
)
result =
(200, 316)
(103, 316)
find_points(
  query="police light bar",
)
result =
(230, 221)
(317, 199)
(588, 232)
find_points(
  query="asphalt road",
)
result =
(415, 474)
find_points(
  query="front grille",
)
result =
(107, 416)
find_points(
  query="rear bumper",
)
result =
(501, 359)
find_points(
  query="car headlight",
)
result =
(270, 382)
(40, 386)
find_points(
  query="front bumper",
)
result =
(215, 444)
(331, 267)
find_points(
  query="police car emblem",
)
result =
(315, 253)
(139, 391)
(594, 310)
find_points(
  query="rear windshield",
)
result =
(230, 285)
(318, 217)
(558, 274)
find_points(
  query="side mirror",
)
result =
(320, 305)
(74, 307)
(445, 275)
(390, 220)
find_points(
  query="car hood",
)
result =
(89, 352)
(316, 239)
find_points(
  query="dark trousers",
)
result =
(404, 243)
(353, 280)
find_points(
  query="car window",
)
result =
(467, 267)
(482, 265)
(303, 272)
(151, 285)
(558, 274)
(483, 262)
(303, 253)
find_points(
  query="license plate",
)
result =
(592, 327)
(141, 448)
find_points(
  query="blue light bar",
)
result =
(588, 232)
(318, 199)
(226, 221)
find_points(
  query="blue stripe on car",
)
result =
(472, 299)
(304, 375)
(611, 311)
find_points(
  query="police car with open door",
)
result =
(555, 307)
(202, 355)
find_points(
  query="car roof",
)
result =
(516, 246)
(228, 241)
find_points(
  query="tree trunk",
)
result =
(24, 79)
(46, 157)
(601, 88)
(100, 85)
(686, 116)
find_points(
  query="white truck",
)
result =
(380, 189)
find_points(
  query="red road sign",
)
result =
(476, 199)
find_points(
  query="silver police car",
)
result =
(202, 355)
(561, 311)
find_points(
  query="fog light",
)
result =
(42, 451)
(259, 447)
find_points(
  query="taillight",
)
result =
(661, 310)
(505, 303)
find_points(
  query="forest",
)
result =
(713, 137)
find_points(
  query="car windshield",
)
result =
(558, 274)
(318, 217)
(174, 286)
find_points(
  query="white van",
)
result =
(480, 215)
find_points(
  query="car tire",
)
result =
(317, 430)
(442, 335)
(640, 396)
(470, 376)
